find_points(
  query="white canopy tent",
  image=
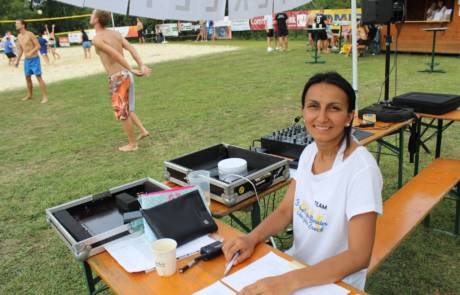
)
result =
(194, 10)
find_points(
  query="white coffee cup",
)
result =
(164, 251)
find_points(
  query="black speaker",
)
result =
(383, 11)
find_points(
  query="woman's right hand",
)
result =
(245, 245)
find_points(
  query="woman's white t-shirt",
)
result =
(324, 203)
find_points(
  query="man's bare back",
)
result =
(28, 42)
(114, 40)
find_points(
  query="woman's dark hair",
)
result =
(337, 80)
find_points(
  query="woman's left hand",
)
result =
(271, 285)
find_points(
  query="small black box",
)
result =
(126, 203)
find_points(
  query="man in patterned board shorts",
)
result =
(28, 44)
(109, 46)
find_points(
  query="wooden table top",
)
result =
(380, 129)
(200, 276)
(450, 116)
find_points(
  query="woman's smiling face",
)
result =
(326, 112)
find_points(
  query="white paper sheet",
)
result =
(274, 265)
(135, 254)
(215, 289)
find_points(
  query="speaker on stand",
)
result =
(384, 12)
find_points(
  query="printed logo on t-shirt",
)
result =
(313, 218)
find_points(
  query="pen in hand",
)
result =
(230, 264)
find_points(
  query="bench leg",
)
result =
(457, 211)
(427, 220)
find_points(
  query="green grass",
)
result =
(66, 149)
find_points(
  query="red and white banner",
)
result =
(297, 20)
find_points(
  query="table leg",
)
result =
(439, 138)
(340, 39)
(255, 215)
(433, 51)
(90, 284)
(432, 65)
(92, 281)
(316, 47)
(401, 157)
(315, 57)
(418, 141)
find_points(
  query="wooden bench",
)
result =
(411, 204)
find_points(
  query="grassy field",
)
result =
(54, 153)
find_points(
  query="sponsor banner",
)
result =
(169, 30)
(240, 25)
(74, 37)
(257, 23)
(186, 27)
(127, 32)
(64, 42)
(297, 20)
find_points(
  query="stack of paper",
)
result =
(215, 289)
(135, 253)
(267, 266)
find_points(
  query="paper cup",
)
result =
(164, 251)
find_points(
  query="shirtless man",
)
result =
(28, 44)
(109, 46)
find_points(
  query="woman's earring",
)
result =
(348, 124)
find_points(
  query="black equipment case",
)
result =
(88, 223)
(264, 171)
(428, 103)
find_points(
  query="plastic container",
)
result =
(231, 166)
(201, 178)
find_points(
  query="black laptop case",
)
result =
(429, 103)
(183, 219)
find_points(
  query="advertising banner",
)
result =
(240, 25)
(169, 30)
(297, 20)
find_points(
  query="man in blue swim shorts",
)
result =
(29, 46)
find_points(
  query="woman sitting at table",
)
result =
(333, 200)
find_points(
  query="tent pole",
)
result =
(354, 49)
